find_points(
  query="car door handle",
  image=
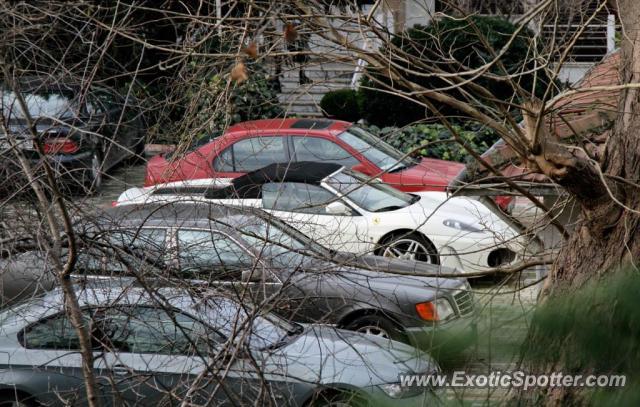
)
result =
(120, 370)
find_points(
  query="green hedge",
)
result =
(435, 141)
(341, 104)
(451, 45)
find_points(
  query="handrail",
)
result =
(360, 65)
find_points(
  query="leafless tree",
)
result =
(581, 140)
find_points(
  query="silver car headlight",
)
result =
(444, 309)
(398, 391)
(460, 225)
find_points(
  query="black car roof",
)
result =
(248, 185)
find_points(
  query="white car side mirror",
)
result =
(337, 208)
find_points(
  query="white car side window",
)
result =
(296, 197)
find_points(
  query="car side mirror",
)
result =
(252, 275)
(338, 208)
(361, 168)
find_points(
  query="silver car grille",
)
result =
(464, 302)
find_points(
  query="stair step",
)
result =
(321, 75)
(300, 97)
(300, 102)
(302, 110)
(316, 92)
(332, 70)
(293, 84)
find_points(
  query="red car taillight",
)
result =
(59, 145)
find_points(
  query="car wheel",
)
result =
(377, 326)
(411, 246)
(94, 179)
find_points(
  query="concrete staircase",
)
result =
(329, 68)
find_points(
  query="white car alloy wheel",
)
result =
(409, 249)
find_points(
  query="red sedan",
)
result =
(252, 145)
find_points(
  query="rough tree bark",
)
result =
(608, 236)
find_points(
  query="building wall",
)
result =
(418, 12)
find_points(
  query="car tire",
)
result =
(377, 326)
(409, 246)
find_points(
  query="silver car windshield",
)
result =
(375, 150)
(267, 330)
(369, 194)
(280, 248)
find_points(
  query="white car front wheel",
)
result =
(410, 247)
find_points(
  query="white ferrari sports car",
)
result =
(347, 211)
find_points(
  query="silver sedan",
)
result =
(169, 345)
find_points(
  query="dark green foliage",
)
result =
(435, 141)
(381, 108)
(594, 331)
(217, 104)
(255, 99)
(452, 46)
(341, 104)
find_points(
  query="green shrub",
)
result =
(435, 140)
(591, 330)
(451, 45)
(217, 105)
(341, 104)
(255, 99)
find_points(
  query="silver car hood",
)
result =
(325, 355)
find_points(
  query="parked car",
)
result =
(83, 131)
(264, 260)
(346, 211)
(175, 346)
(251, 145)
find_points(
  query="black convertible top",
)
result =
(248, 185)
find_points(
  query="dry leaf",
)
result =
(290, 33)
(251, 50)
(239, 73)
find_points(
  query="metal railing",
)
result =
(596, 40)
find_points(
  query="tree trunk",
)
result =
(608, 235)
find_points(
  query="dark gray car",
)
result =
(177, 346)
(263, 260)
(83, 131)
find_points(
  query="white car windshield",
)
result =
(369, 194)
(375, 150)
